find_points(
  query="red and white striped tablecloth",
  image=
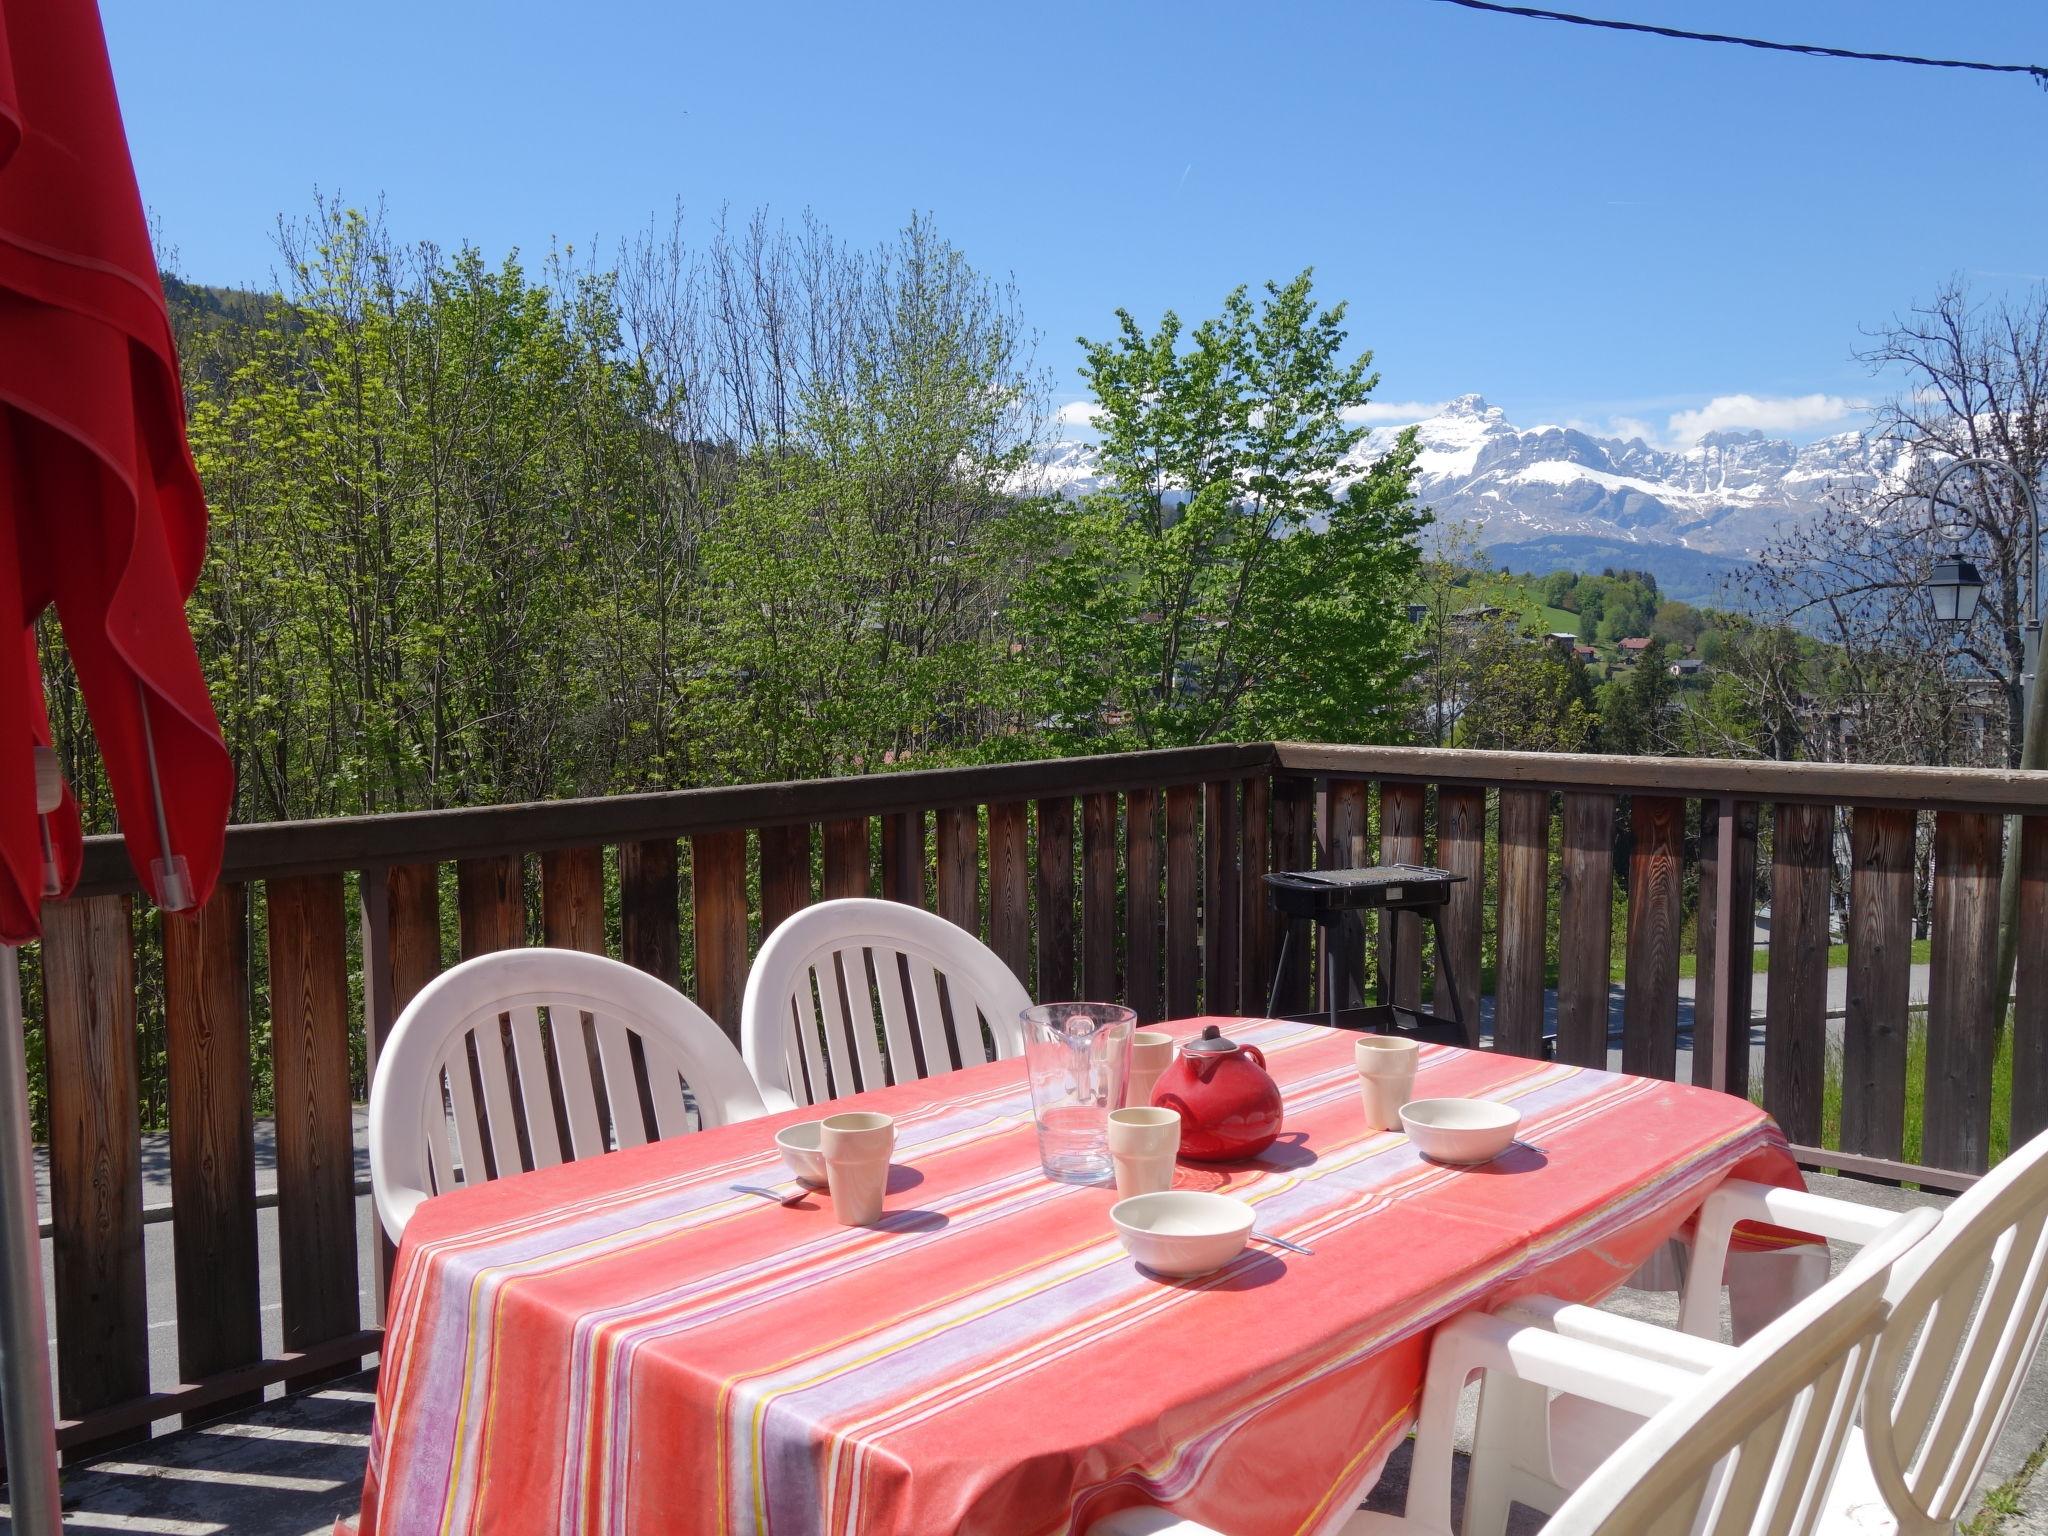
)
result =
(626, 1345)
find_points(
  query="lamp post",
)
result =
(1957, 586)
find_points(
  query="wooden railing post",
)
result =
(1461, 849)
(1222, 895)
(1346, 845)
(1144, 980)
(1879, 982)
(1524, 921)
(1656, 893)
(1400, 937)
(2030, 987)
(1009, 885)
(1183, 899)
(213, 1140)
(1962, 1000)
(100, 1301)
(1056, 900)
(1796, 1000)
(1724, 979)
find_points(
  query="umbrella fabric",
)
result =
(100, 505)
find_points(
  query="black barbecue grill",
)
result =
(1326, 896)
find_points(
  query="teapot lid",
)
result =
(1212, 1042)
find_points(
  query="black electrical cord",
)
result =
(1811, 50)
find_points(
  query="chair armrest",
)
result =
(1529, 1352)
(776, 1100)
(1147, 1521)
(1740, 1200)
(1644, 1340)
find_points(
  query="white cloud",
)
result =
(1078, 413)
(1623, 427)
(1776, 414)
(1393, 413)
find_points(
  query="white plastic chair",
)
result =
(809, 1025)
(1968, 1308)
(1747, 1446)
(450, 1059)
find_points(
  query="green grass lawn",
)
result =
(1760, 962)
(1916, 1093)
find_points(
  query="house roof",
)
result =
(1636, 643)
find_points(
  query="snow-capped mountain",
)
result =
(1574, 498)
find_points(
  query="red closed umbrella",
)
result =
(101, 514)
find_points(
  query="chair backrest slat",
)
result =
(469, 1130)
(575, 1042)
(536, 1076)
(478, 1028)
(1968, 1309)
(621, 1081)
(876, 980)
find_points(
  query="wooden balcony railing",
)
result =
(1134, 877)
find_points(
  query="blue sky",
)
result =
(1580, 225)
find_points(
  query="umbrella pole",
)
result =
(31, 1431)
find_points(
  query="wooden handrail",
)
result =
(261, 850)
(1923, 789)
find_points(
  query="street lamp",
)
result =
(1956, 586)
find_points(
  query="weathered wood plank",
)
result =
(1100, 926)
(1962, 991)
(650, 927)
(309, 1027)
(1400, 941)
(1009, 885)
(1461, 849)
(213, 1137)
(2030, 987)
(1222, 899)
(718, 897)
(490, 898)
(100, 1299)
(572, 899)
(959, 867)
(401, 929)
(572, 917)
(1656, 898)
(1144, 978)
(1879, 982)
(1523, 921)
(1261, 929)
(1294, 823)
(1796, 1005)
(848, 855)
(1720, 1058)
(1347, 844)
(1585, 928)
(1183, 901)
(903, 858)
(785, 875)
(1055, 900)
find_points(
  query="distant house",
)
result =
(1632, 649)
(1586, 653)
(1479, 613)
(1686, 668)
(1417, 612)
(1563, 640)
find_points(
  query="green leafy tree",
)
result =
(1221, 587)
(1522, 694)
(1633, 705)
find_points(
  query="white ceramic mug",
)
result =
(1144, 1140)
(1386, 1077)
(856, 1147)
(1151, 1054)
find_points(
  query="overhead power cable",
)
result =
(1811, 50)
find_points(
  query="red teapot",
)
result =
(1229, 1105)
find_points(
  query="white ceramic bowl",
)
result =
(799, 1144)
(1182, 1232)
(1460, 1130)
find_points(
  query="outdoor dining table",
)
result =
(627, 1344)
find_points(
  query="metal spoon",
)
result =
(1284, 1242)
(772, 1194)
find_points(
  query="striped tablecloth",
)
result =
(626, 1345)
